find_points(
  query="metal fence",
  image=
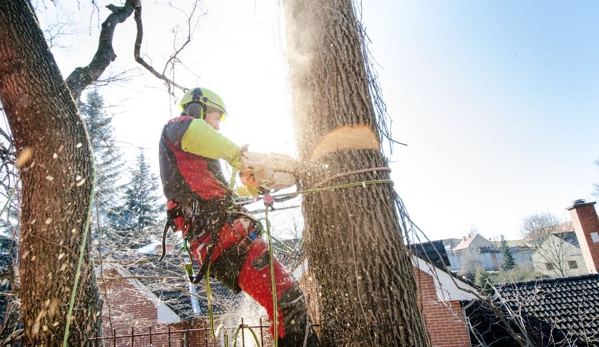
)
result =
(242, 335)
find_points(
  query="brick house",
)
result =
(560, 255)
(143, 297)
(442, 295)
(138, 303)
(550, 312)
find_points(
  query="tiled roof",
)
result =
(168, 281)
(565, 309)
(433, 252)
(568, 236)
(564, 227)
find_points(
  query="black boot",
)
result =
(296, 320)
(297, 340)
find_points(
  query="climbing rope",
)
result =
(80, 264)
(12, 192)
(316, 189)
(273, 284)
(340, 186)
(384, 168)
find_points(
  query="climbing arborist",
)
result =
(224, 239)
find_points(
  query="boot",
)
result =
(296, 320)
(297, 340)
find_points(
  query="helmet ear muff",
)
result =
(206, 98)
(195, 110)
(196, 95)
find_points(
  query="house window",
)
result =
(549, 266)
(572, 264)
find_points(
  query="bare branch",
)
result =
(142, 62)
(82, 77)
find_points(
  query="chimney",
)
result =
(586, 225)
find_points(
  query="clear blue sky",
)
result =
(497, 100)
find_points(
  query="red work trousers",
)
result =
(254, 277)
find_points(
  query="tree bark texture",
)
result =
(366, 289)
(56, 181)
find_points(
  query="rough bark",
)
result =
(56, 180)
(366, 290)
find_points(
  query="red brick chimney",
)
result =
(586, 225)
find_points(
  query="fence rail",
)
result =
(242, 335)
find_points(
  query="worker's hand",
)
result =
(247, 179)
(248, 191)
(238, 160)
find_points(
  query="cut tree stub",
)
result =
(346, 137)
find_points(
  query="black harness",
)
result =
(204, 217)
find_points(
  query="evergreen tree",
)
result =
(484, 280)
(508, 257)
(108, 160)
(141, 207)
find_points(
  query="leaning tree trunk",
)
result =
(56, 174)
(366, 290)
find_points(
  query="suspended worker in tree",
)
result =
(222, 237)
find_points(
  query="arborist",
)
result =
(225, 239)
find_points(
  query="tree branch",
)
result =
(82, 77)
(142, 62)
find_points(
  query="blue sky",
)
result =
(497, 100)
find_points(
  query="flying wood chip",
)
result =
(24, 157)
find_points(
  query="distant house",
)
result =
(474, 244)
(560, 256)
(551, 312)
(475, 251)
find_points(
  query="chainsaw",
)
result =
(268, 171)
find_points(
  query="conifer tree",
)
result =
(141, 207)
(508, 257)
(107, 157)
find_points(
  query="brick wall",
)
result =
(127, 311)
(129, 308)
(125, 308)
(585, 222)
(308, 286)
(444, 320)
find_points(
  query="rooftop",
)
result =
(568, 308)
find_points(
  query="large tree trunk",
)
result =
(366, 289)
(56, 180)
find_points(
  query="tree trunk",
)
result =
(56, 180)
(366, 289)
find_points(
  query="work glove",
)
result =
(250, 186)
(248, 191)
(237, 162)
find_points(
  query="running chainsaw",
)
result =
(268, 171)
(263, 171)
